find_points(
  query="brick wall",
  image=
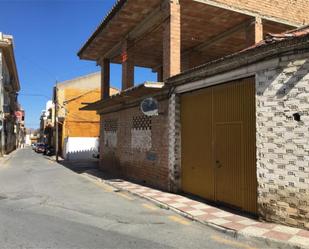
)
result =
(136, 146)
(171, 40)
(290, 10)
(282, 142)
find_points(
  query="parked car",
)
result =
(33, 146)
(49, 151)
(96, 154)
(40, 148)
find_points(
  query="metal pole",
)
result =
(56, 124)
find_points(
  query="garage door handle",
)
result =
(218, 164)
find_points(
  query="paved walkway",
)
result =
(224, 220)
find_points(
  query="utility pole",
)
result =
(56, 123)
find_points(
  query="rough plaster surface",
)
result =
(141, 139)
(110, 139)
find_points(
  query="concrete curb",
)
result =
(233, 233)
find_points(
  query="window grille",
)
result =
(141, 122)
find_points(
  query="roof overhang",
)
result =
(7, 46)
(117, 24)
(129, 95)
(295, 41)
(206, 28)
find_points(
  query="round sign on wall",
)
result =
(150, 107)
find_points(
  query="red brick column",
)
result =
(171, 40)
(105, 78)
(127, 67)
(254, 33)
(160, 74)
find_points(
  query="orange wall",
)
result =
(80, 123)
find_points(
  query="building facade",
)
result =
(47, 122)
(78, 131)
(20, 128)
(9, 87)
(233, 132)
(232, 114)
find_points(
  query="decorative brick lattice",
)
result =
(111, 125)
(141, 122)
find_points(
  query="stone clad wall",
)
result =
(283, 142)
(136, 146)
(174, 144)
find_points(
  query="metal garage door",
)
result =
(218, 144)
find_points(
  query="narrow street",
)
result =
(45, 205)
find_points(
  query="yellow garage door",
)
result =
(197, 154)
(218, 144)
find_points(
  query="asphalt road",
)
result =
(44, 205)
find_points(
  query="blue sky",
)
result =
(47, 35)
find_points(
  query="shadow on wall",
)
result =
(80, 148)
(82, 154)
(286, 77)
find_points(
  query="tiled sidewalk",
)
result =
(217, 217)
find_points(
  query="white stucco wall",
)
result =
(80, 148)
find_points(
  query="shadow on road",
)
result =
(92, 168)
(80, 166)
